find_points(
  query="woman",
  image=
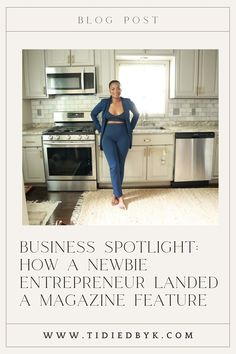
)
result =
(116, 135)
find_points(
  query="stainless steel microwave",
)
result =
(71, 80)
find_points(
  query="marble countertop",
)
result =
(174, 129)
(168, 129)
(178, 126)
(35, 130)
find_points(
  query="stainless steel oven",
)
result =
(69, 155)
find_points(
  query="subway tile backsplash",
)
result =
(60, 103)
(193, 109)
(178, 109)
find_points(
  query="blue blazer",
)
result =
(103, 106)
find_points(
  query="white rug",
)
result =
(159, 206)
(39, 213)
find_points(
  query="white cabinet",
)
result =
(105, 70)
(186, 73)
(57, 57)
(133, 171)
(160, 163)
(150, 160)
(102, 167)
(141, 52)
(155, 164)
(34, 78)
(194, 73)
(155, 160)
(208, 73)
(136, 165)
(82, 57)
(33, 167)
(159, 52)
(65, 57)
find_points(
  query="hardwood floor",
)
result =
(63, 210)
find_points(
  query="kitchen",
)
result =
(187, 102)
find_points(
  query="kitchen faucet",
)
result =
(144, 117)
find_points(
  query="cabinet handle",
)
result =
(30, 142)
(68, 59)
(44, 90)
(40, 154)
(163, 158)
(147, 140)
(163, 161)
(200, 90)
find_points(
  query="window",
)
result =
(146, 84)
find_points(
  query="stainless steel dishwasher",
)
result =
(193, 157)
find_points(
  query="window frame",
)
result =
(147, 61)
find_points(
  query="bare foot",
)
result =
(114, 200)
(121, 203)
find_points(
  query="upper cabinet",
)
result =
(194, 73)
(35, 61)
(185, 73)
(58, 57)
(34, 79)
(208, 73)
(105, 70)
(141, 52)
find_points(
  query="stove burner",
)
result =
(74, 126)
(71, 130)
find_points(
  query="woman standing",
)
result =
(116, 135)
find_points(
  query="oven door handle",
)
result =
(69, 143)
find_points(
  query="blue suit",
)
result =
(103, 106)
(116, 139)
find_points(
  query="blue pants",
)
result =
(115, 144)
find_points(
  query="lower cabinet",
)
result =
(136, 165)
(33, 167)
(160, 163)
(150, 160)
(102, 167)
